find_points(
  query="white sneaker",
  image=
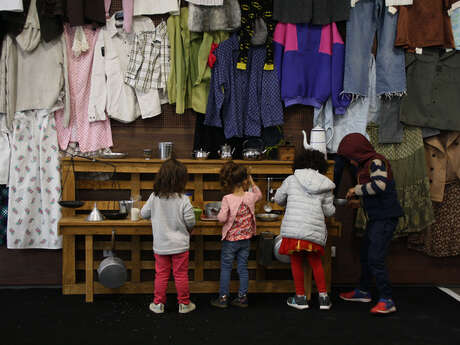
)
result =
(157, 308)
(186, 308)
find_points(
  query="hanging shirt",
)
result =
(156, 7)
(11, 5)
(109, 93)
(89, 136)
(149, 64)
(243, 101)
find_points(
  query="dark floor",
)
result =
(426, 316)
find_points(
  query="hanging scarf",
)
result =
(356, 147)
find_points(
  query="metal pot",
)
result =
(112, 270)
(276, 247)
(211, 209)
(253, 153)
(200, 154)
(226, 152)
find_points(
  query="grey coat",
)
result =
(214, 18)
(308, 198)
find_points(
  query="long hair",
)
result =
(232, 175)
(311, 159)
(171, 179)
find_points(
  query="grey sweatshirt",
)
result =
(172, 221)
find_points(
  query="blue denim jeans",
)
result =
(374, 250)
(230, 250)
(367, 18)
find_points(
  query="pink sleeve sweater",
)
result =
(231, 204)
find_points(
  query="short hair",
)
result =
(311, 159)
(171, 179)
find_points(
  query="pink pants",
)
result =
(180, 271)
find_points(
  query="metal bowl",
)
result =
(340, 202)
(267, 217)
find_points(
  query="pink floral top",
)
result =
(243, 227)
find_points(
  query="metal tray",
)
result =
(114, 214)
(113, 155)
(268, 217)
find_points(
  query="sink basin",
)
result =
(268, 217)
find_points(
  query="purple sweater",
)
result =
(310, 62)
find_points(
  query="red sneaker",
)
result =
(384, 306)
(356, 296)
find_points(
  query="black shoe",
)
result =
(220, 302)
(324, 302)
(298, 302)
(241, 301)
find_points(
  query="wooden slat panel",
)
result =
(68, 260)
(136, 259)
(89, 279)
(199, 258)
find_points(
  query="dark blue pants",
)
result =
(374, 250)
(230, 251)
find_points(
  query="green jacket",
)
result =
(190, 75)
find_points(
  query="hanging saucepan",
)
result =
(112, 270)
(276, 247)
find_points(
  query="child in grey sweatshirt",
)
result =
(172, 219)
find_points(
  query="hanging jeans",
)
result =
(230, 250)
(374, 250)
(367, 18)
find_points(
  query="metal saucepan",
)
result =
(276, 247)
(112, 270)
(253, 153)
(211, 209)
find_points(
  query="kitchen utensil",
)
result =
(267, 217)
(211, 209)
(95, 215)
(276, 247)
(71, 203)
(112, 155)
(135, 214)
(267, 208)
(112, 270)
(114, 214)
(125, 205)
(317, 140)
(200, 154)
(147, 154)
(165, 149)
(226, 152)
(198, 212)
(340, 202)
(253, 153)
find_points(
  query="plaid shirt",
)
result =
(149, 62)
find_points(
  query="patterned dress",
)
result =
(35, 184)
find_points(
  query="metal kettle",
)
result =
(200, 154)
(226, 152)
(317, 140)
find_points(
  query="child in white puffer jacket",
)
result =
(308, 197)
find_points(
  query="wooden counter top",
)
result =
(78, 225)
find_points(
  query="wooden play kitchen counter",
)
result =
(84, 242)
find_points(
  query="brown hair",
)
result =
(171, 179)
(311, 159)
(232, 175)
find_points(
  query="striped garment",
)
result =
(379, 179)
(149, 62)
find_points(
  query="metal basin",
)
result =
(268, 217)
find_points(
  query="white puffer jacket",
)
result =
(308, 198)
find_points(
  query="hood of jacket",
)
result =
(313, 181)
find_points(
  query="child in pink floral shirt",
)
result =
(238, 215)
